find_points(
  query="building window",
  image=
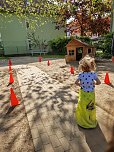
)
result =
(1, 42)
(71, 52)
(30, 44)
(0, 37)
(27, 24)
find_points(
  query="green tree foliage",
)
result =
(86, 12)
(35, 42)
(90, 15)
(29, 10)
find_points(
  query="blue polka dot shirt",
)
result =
(87, 80)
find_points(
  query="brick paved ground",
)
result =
(49, 107)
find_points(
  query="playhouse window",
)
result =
(89, 51)
(71, 52)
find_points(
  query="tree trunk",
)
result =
(113, 46)
(112, 18)
(82, 31)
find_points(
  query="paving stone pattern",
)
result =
(50, 108)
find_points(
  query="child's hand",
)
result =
(94, 83)
(97, 82)
(77, 82)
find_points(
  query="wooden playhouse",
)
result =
(77, 49)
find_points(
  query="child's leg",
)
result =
(86, 110)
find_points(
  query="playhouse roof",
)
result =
(77, 42)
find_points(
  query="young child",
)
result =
(87, 79)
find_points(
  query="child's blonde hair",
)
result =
(87, 64)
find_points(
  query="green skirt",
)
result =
(86, 110)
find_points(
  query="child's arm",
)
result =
(97, 81)
(77, 82)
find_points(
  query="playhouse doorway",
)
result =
(79, 52)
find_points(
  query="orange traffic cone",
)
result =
(10, 69)
(11, 80)
(71, 70)
(39, 59)
(9, 62)
(13, 98)
(48, 63)
(107, 80)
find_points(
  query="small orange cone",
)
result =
(14, 100)
(113, 59)
(107, 80)
(11, 80)
(10, 69)
(9, 62)
(39, 59)
(48, 63)
(71, 70)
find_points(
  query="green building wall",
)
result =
(47, 31)
(14, 34)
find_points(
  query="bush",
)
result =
(106, 55)
(58, 46)
(105, 44)
(99, 53)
